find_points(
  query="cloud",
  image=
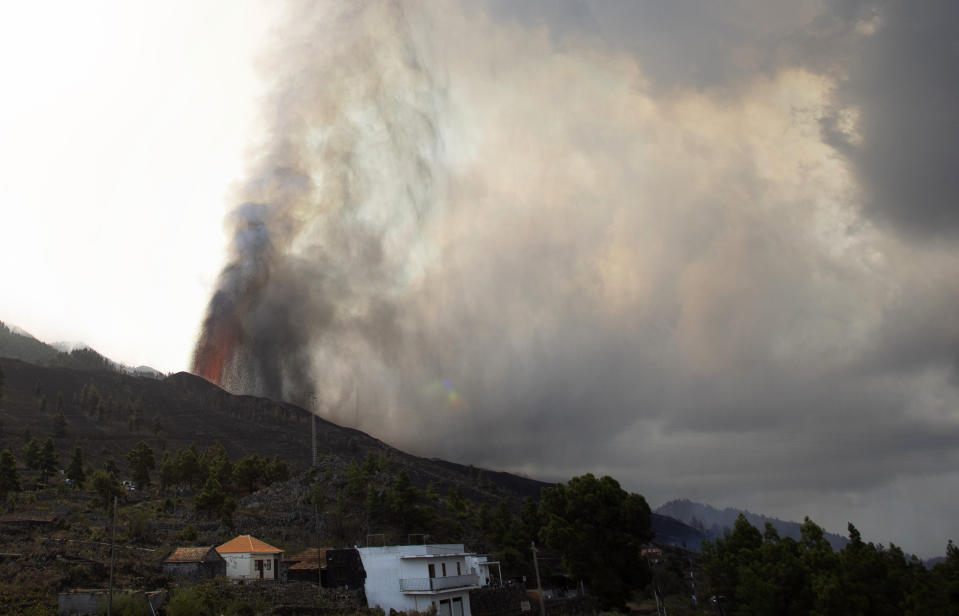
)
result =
(528, 237)
(894, 115)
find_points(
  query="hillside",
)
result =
(109, 412)
(18, 344)
(714, 523)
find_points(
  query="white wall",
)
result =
(242, 566)
(385, 567)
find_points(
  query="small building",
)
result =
(419, 577)
(307, 566)
(344, 569)
(195, 563)
(248, 558)
(488, 571)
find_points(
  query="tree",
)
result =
(211, 498)
(188, 467)
(599, 529)
(75, 471)
(355, 480)
(402, 498)
(276, 470)
(455, 502)
(217, 464)
(168, 473)
(9, 479)
(107, 487)
(142, 461)
(31, 454)
(3, 385)
(226, 511)
(248, 472)
(47, 463)
(758, 573)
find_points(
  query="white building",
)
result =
(489, 571)
(417, 577)
(248, 558)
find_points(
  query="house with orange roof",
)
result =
(248, 558)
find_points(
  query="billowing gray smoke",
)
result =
(655, 240)
(330, 221)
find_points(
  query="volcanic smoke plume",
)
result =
(633, 238)
(330, 219)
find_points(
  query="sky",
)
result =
(709, 249)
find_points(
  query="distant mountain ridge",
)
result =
(714, 523)
(17, 343)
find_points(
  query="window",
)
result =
(432, 570)
(457, 606)
(268, 564)
(458, 572)
(444, 569)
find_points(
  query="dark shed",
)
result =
(308, 566)
(201, 563)
(344, 569)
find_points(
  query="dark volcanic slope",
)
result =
(171, 414)
(182, 409)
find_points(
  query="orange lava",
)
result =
(215, 349)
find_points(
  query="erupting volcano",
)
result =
(331, 219)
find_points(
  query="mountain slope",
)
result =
(714, 522)
(18, 344)
(109, 412)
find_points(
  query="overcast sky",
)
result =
(709, 248)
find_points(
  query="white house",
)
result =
(488, 571)
(248, 558)
(417, 577)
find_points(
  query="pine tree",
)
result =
(48, 459)
(111, 467)
(9, 479)
(31, 454)
(106, 487)
(75, 471)
(142, 460)
(211, 498)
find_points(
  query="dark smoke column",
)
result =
(332, 214)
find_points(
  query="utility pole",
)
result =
(113, 542)
(539, 585)
(313, 425)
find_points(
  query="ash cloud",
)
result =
(554, 239)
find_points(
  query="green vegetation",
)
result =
(75, 472)
(760, 573)
(142, 462)
(9, 478)
(106, 487)
(47, 462)
(600, 529)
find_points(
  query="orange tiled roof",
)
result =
(246, 543)
(188, 555)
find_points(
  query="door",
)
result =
(444, 608)
(259, 569)
(457, 606)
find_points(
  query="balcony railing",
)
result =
(439, 583)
